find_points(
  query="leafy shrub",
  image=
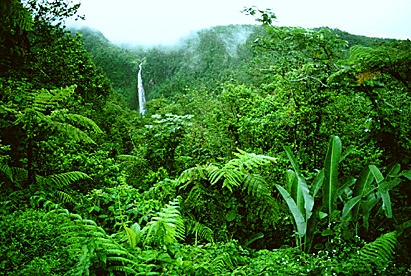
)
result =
(30, 244)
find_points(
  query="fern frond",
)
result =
(64, 179)
(49, 99)
(380, 250)
(90, 243)
(15, 174)
(193, 174)
(167, 226)
(19, 174)
(237, 169)
(249, 161)
(65, 197)
(197, 179)
(232, 177)
(6, 169)
(122, 260)
(131, 159)
(256, 186)
(73, 132)
(81, 121)
(124, 269)
(220, 263)
(199, 230)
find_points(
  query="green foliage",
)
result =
(380, 251)
(199, 230)
(236, 189)
(41, 115)
(43, 110)
(238, 170)
(31, 244)
(292, 261)
(210, 259)
(165, 134)
(16, 22)
(300, 197)
(94, 249)
(382, 76)
(166, 226)
(251, 87)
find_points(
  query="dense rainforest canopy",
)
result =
(264, 151)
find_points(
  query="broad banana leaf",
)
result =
(376, 173)
(361, 185)
(383, 190)
(317, 183)
(300, 222)
(348, 206)
(293, 188)
(344, 186)
(366, 206)
(308, 199)
(330, 184)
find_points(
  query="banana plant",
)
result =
(358, 196)
(299, 197)
(370, 189)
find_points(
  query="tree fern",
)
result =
(380, 251)
(51, 184)
(76, 119)
(43, 113)
(45, 100)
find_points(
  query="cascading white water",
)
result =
(141, 94)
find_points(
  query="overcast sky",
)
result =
(150, 22)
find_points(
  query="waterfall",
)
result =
(141, 94)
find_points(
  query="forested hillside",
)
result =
(264, 151)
